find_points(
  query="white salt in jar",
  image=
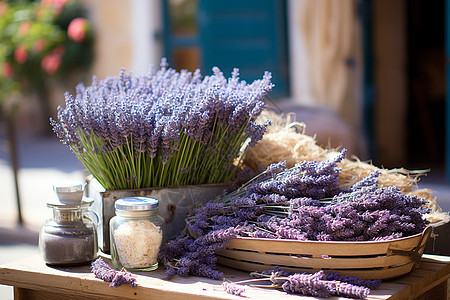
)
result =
(136, 233)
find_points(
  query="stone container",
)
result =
(174, 204)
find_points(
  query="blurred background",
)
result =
(362, 74)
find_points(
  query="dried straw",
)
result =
(286, 140)
(353, 170)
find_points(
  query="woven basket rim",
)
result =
(423, 233)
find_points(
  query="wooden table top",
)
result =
(33, 273)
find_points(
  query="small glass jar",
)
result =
(136, 234)
(70, 237)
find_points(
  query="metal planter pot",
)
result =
(174, 204)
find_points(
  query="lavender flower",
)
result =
(349, 290)
(232, 288)
(121, 277)
(308, 284)
(364, 212)
(207, 271)
(177, 247)
(170, 271)
(165, 122)
(319, 284)
(183, 271)
(104, 272)
(312, 179)
(371, 284)
(219, 236)
(197, 256)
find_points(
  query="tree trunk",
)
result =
(44, 99)
(12, 143)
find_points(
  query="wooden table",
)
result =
(33, 279)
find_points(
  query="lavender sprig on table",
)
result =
(164, 128)
(233, 289)
(307, 284)
(316, 284)
(104, 272)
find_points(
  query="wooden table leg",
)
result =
(438, 292)
(17, 293)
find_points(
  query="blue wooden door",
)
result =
(247, 34)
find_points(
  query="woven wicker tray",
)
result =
(367, 260)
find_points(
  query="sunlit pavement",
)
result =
(43, 161)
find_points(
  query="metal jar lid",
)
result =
(136, 203)
(57, 203)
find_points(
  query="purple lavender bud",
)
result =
(123, 277)
(104, 272)
(352, 291)
(170, 271)
(217, 236)
(275, 168)
(307, 284)
(232, 288)
(370, 182)
(208, 271)
(177, 247)
(184, 271)
(371, 284)
(188, 263)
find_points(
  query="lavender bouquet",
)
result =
(166, 128)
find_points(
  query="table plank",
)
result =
(392, 291)
(433, 270)
(152, 285)
(436, 258)
(31, 275)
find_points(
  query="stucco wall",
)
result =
(125, 32)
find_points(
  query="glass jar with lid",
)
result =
(70, 237)
(136, 234)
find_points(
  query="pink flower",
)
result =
(7, 69)
(58, 51)
(52, 61)
(39, 45)
(57, 5)
(20, 54)
(51, 64)
(3, 8)
(77, 29)
(24, 27)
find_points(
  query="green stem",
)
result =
(194, 162)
